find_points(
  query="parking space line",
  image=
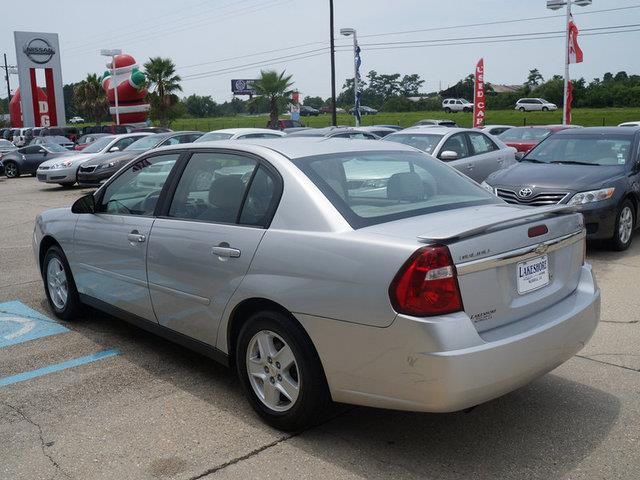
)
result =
(19, 323)
(74, 362)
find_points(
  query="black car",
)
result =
(595, 169)
(306, 111)
(96, 170)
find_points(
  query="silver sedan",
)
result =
(355, 271)
(474, 153)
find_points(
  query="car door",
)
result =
(486, 155)
(34, 155)
(201, 248)
(110, 246)
(459, 144)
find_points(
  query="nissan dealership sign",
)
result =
(39, 51)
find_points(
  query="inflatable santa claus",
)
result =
(130, 82)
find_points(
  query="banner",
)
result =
(575, 52)
(479, 103)
(567, 119)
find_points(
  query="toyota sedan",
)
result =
(421, 291)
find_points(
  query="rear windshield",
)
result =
(368, 188)
(211, 136)
(421, 141)
(145, 143)
(524, 134)
(583, 149)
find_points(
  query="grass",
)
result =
(587, 117)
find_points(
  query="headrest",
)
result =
(405, 186)
(226, 192)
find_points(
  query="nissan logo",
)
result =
(39, 51)
(525, 192)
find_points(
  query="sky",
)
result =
(214, 41)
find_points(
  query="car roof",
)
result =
(235, 131)
(434, 130)
(600, 131)
(303, 147)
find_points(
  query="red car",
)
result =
(524, 139)
(85, 140)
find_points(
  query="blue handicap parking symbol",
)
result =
(19, 323)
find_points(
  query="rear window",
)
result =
(213, 136)
(525, 134)
(421, 141)
(368, 188)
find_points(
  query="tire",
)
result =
(447, 110)
(277, 332)
(545, 109)
(11, 169)
(522, 109)
(625, 225)
(64, 307)
(467, 110)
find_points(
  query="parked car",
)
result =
(436, 123)
(240, 134)
(379, 131)
(495, 129)
(425, 293)
(535, 104)
(1, 167)
(57, 139)
(22, 136)
(595, 170)
(85, 140)
(25, 160)
(97, 170)
(76, 120)
(72, 133)
(335, 132)
(284, 124)
(327, 109)
(393, 127)
(469, 151)
(364, 110)
(152, 130)
(456, 105)
(630, 124)
(307, 111)
(64, 171)
(6, 146)
(110, 129)
(5, 133)
(524, 139)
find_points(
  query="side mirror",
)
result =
(114, 149)
(42, 150)
(85, 204)
(520, 156)
(448, 155)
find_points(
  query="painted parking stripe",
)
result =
(74, 362)
(19, 323)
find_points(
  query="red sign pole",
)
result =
(479, 103)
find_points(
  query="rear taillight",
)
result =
(426, 284)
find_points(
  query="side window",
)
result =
(171, 141)
(122, 144)
(137, 189)
(33, 149)
(262, 199)
(481, 143)
(456, 143)
(212, 187)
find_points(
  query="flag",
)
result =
(479, 102)
(567, 118)
(575, 53)
(358, 93)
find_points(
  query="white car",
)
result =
(630, 124)
(240, 134)
(457, 105)
(20, 138)
(495, 129)
(64, 171)
(76, 120)
(534, 105)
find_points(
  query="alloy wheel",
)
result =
(625, 225)
(11, 170)
(57, 283)
(273, 371)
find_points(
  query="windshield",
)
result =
(55, 148)
(422, 141)
(145, 143)
(98, 145)
(6, 143)
(375, 187)
(524, 134)
(582, 149)
(208, 137)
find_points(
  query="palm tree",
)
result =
(275, 86)
(91, 99)
(163, 83)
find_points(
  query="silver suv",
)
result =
(535, 104)
(457, 105)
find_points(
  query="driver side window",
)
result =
(456, 143)
(137, 190)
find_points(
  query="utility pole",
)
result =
(334, 119)
(6, 77)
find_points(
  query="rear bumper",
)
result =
(443, 364)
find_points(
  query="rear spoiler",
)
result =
(529, 214)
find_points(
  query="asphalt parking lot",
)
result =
(102, 399)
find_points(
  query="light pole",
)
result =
(334, 121)
(557, 5)
(356, 108)
(112, 53)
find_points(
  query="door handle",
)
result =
(225, 252)
(136, 237)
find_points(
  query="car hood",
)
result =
(555, 176)
(77, 159)
(112, 156)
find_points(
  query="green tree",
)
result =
(163, 83)
(200, 106)
(90, 99)
(534, 79)
(276, 87)
(410, 85)
(315, 102)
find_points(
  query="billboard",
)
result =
(243, 86)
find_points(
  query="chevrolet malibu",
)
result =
(423, 293)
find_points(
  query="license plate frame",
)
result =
(532, 274)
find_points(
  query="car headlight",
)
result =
(592, 196)
(64, 164)
(488, 188)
